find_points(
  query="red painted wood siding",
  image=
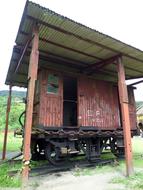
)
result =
(132, 108)
(98, 104)
(51, 105)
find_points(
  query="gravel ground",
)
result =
(67, 181)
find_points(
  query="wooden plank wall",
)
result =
(51, 105)
(132, 108)
(98, 104)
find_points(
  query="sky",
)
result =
(121, 19)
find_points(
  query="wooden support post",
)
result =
(6, 123)
(123, 96)
(32, 76)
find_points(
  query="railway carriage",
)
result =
(79, 92)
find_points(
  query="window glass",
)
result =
(53, 84)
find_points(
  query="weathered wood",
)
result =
(135, 83)
(97, 105)
(23, 53)
(32, 76)
(123, 96)
(51, 105)
(6, 123)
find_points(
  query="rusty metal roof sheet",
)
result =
(68, 44)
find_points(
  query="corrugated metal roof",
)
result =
(66, 43)
(140, 110)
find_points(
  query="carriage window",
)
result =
(53, 84)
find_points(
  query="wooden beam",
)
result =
(32, 76)
(65, 47)
(23, 52)
(123, 96)
(103, 61)
(130, 78)
(135, 83)
(6, 123)
(101, 64)
(74, 61)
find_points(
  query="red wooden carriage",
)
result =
(77, 97)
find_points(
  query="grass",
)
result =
(7, 180)
(13, 143)
(134, 182)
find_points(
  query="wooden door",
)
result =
(97, 104)
(51, 99)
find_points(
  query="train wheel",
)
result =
(117, 151)
(37, 151)
(121, 152)
(53, 154)
(113, 146)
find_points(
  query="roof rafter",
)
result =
(23, 52)
(135, 83)
(64, 47)
(100, 64)
(102, 60)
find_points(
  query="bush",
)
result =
(17, 107)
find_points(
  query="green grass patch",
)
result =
(137, 145)
(13, 143)
(134, 182)
(39, 163)
(8, 180)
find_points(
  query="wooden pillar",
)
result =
(32, 77)
(123, 96)
(6, 123)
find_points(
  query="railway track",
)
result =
(51, 169)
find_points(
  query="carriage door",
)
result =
(51, 99)
(85, 100)
(69, 101)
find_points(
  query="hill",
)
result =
(19, 94)
(17, 107)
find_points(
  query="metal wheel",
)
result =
(113, 146)
(37, 151)
(117, 151)
(53, 154)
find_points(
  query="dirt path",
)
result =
(67, 181)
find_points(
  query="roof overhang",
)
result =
(67, 45)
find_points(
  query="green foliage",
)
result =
(13, 143)
(17, 107)
(6, 180)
